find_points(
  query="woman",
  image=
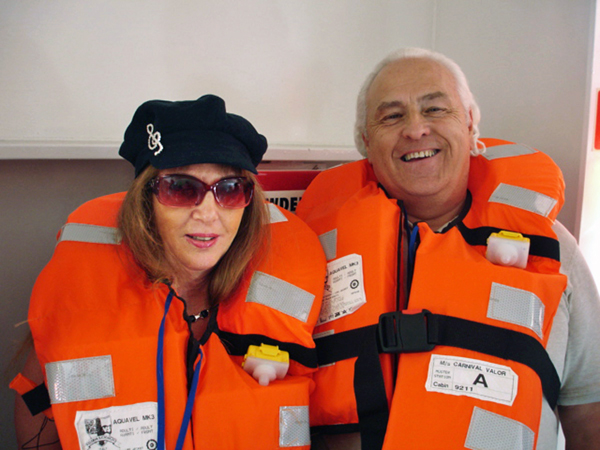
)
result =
(162, 309)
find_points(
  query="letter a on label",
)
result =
(480, 380)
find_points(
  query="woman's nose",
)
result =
(207, 210)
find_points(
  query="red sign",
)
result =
(285, 187)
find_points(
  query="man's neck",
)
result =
(434, 215)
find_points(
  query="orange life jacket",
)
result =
(95, 320)
(465, 363)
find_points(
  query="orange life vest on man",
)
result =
(95, 320)
(449, 351)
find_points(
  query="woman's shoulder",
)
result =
(99, 211)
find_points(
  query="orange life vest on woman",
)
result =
(449, 350)
(95, 320)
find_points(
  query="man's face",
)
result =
(418, 135)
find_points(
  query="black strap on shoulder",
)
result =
(37, 399)
(341, 346)
(369, 390)
(369, 387)
(342, 428)
(539, 245)
(237, 344)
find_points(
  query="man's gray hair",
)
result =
(462, 86)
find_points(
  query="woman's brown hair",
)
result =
(139, 233)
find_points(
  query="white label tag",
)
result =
(344, 288)
(473, 378)
(129, 427)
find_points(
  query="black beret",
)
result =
(169, 134)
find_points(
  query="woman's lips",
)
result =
(202, 240)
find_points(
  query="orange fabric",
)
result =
(452, 292)
(450, 278)
(354, 202)
(105, 306)
(21, 384)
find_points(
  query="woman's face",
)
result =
(196, 237)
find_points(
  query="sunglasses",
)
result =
(185, 190)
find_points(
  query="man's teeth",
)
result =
(419, 155)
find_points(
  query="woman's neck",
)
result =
(194, 292)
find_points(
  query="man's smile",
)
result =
(419, 155)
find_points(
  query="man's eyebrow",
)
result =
(433, 96)
(397, 103)
(387, 105)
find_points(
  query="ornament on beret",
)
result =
(154, 139)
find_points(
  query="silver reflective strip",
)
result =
(294, 430)
(523, 198)
(80, 379)
(329, 244)
(491, 431)
(506, 151)
(516, 306)
(280, 295)
(276, 215)
(94, 234)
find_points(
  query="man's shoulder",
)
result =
(563, 234)
(569, 248)
(574, 265)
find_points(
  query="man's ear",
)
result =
(471, 120)
(365, 140)
(471, 131)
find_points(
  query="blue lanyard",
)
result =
(412, 245)
(161, 387)
(412, 253)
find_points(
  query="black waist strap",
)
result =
(237, 344)
(420, 332)
(499, 342)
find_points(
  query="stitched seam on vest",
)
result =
(522, 198)
(516, 306)
(294, 430)
(507, 151)
(80, 379)
(489, 430)
(280, 295)
(329, 243)
(94, 234)
(276, 215)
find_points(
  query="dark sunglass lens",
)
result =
(234, 192)
(179, 191)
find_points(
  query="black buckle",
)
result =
(404, 332)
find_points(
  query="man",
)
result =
(501, 334)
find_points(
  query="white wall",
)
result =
(78, 70)
(72, 73)
(590, 218)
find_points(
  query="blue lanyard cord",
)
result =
(412, 253)
(187, 415)
(412, 245)
(160, 378)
